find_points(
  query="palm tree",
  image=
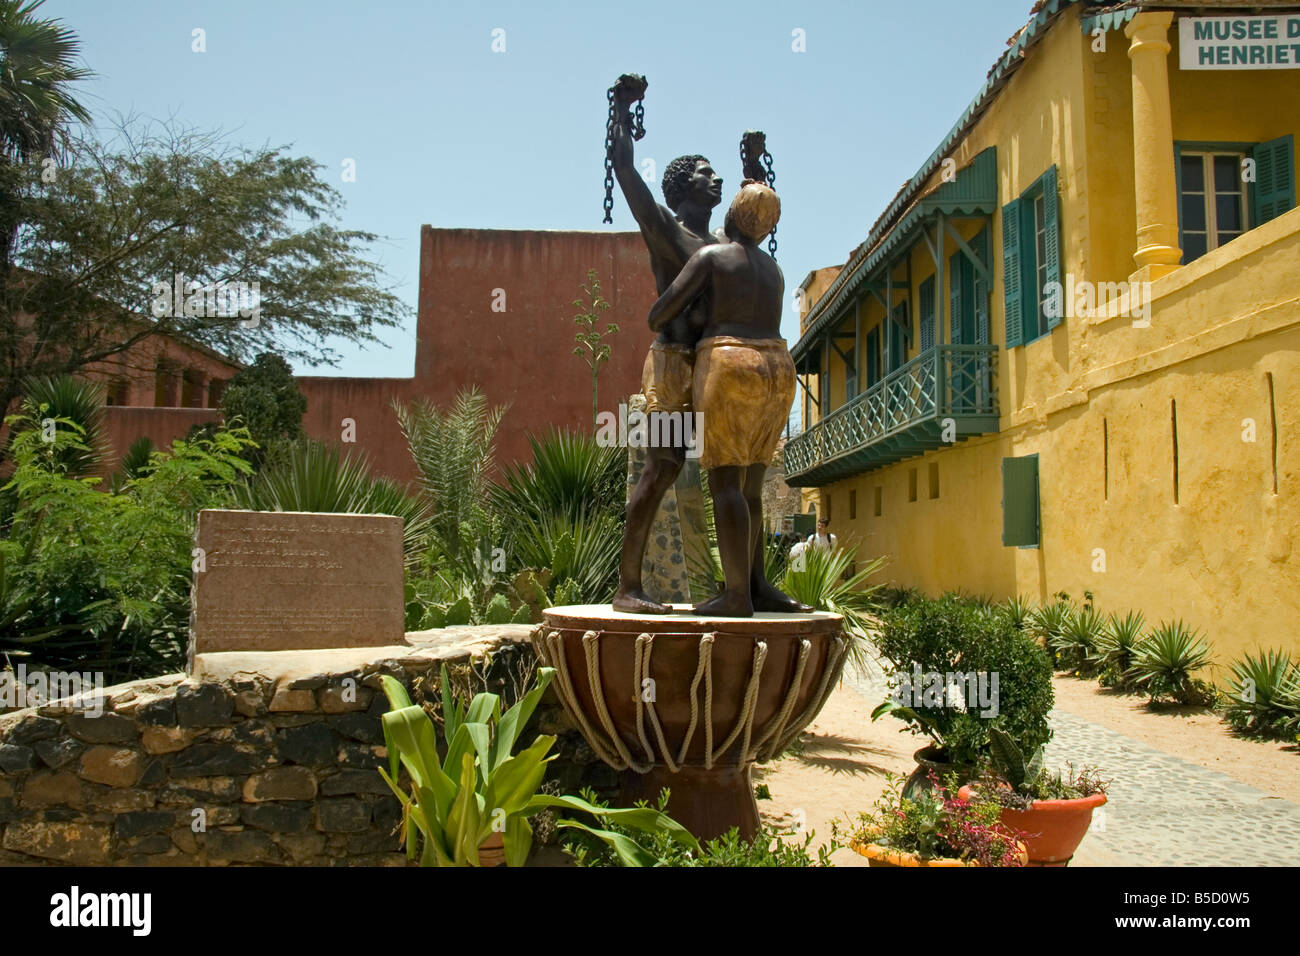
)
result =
(454, 452)
(36, 70)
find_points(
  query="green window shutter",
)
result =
(956, 274)
(1274, 191)
(927, 313)
(1012, 290)
(1052, 241)
(1020, 501)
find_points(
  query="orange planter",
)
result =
(887, 856)
(1053, 828)
(878, 855)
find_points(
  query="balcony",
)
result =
(943, 395)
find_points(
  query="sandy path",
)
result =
(840, 770)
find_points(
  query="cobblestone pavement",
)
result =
(1163, 810)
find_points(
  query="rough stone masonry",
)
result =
(254, 758)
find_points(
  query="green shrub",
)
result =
(97, 580)
(1264, 695)
(265, 399)
(950, 636)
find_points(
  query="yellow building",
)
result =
(1067, 355)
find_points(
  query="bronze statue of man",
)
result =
(691, 189)
(743, 385)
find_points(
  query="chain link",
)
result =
(771, 181)
(609, 160)
(637, 131)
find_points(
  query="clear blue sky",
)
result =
(445, 131)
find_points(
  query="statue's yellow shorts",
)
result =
(743, 390)
(667, 376)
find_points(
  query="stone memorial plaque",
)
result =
(276, 581)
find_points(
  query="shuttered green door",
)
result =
(1274, 191)
(1012, 293)
(927, 313)
(1020, 513)
(981, 289)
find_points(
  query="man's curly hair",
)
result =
(676, 176)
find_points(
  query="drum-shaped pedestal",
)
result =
(690, 703)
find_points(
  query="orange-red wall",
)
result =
(522, 356)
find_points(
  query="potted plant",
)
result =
(959, 670)
(470, 807)
(933, 829)
(1053, 811)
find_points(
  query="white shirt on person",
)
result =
(824, 542)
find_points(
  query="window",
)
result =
(1020, 511)
(880, 501)
(826, 502)
(165, 380)
(1031, 260)
(934, 480)
(1211, 201)
(853, 505)
(117, 392)
(1217, 201)
(926, 296)
(911, 484)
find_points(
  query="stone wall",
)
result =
(256, 758)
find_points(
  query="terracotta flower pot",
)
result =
(1054, 828)
(492, 852)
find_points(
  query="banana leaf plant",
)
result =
(480, 787)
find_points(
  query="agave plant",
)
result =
(1264, 695)
(1075, 642)
(1115, 647)
(569, 474)
(316, 477)
(1163, 663)
(1047, 621)
(1019, 611)
(481, 787)
(562, 512)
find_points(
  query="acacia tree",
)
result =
(152, 202)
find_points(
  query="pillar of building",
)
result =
(1153, 146)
